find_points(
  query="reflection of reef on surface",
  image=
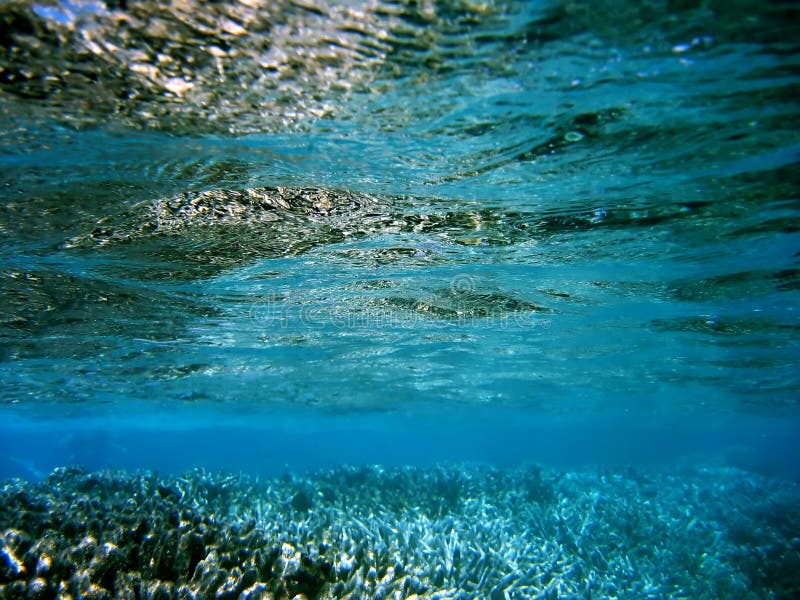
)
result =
(56, 314)
(455, 304)
(221, 228)
(248, 207)
(197, 65)
(371, 532)
(229, 66)
(202, 233)
(189, 66)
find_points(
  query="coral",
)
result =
(446, 533)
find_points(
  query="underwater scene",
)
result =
(399, 299)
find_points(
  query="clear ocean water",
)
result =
(283, 237)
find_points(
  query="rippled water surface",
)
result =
(535, 208)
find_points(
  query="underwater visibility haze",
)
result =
(399, 299)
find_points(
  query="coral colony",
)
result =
(368, 532)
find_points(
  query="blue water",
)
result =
(556, 232)
(408, 299)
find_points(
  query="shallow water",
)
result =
(290, 236)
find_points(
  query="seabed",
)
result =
(444, 532)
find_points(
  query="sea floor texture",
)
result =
(444, 532)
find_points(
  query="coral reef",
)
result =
(369, 532)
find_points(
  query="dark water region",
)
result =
(451, 238)
(270, 445)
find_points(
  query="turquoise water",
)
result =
(284, 237)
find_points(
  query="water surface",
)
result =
(370, 217)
